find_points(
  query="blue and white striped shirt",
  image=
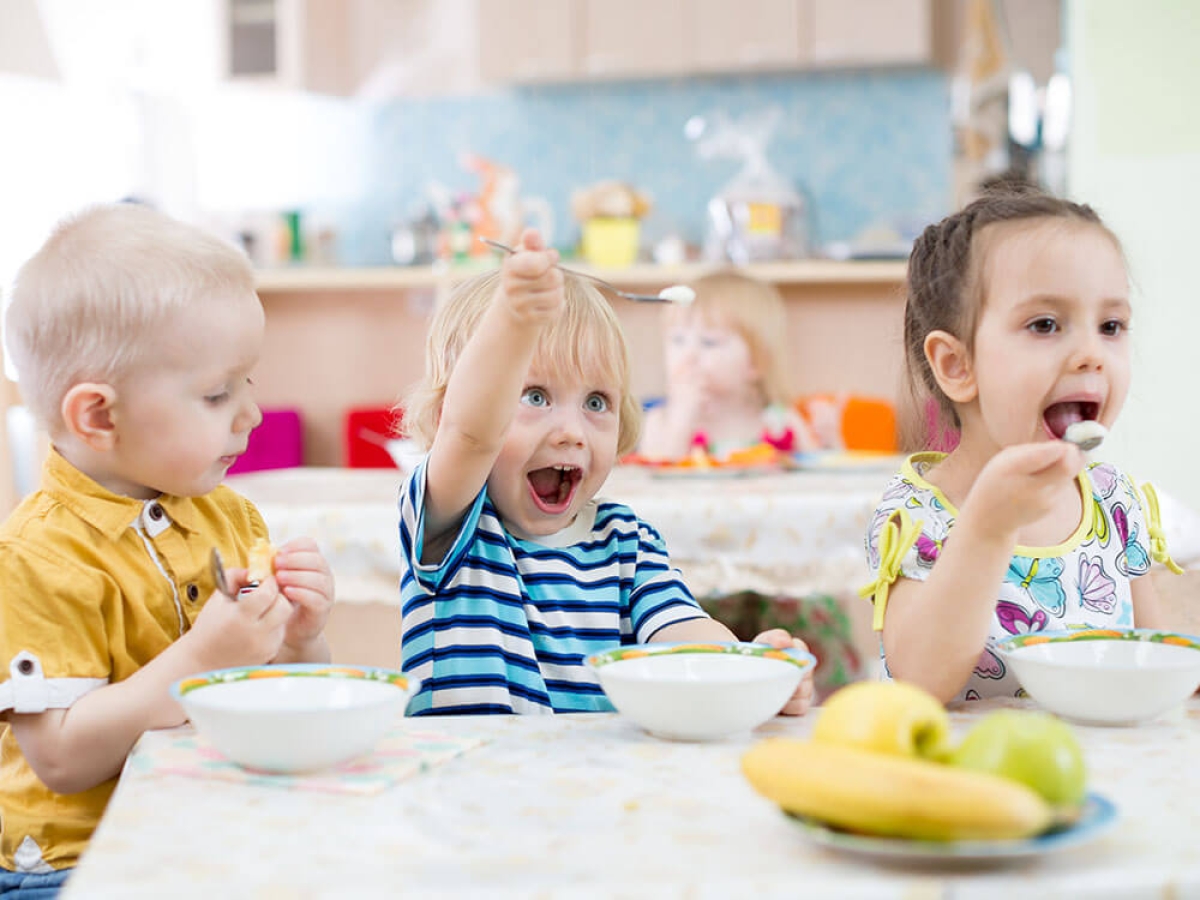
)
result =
(503, 624)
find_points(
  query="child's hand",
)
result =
(531, 282)
(247, 631)
(801, 700)
(1022, 483)
(305, 580)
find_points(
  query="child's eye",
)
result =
(596, 403)
(535, 397)
(1044, 325)
(217, 399)
(1113, 327)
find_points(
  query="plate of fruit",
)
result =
(881, 777)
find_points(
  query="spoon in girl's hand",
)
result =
(1086, 435)
(676, 293)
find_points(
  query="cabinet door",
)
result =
(872, 32)
(529, 40)
(750, 34)
(624, 38)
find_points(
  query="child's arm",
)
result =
(705, 629)
(84, 745)
(485, 386)
(1147, 609)
(934, 631)
(669, 430)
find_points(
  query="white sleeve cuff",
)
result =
(29, 691)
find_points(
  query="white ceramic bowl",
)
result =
(698, 692)
(294, 718)
(1105, 676)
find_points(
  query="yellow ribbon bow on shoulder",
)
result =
(1158, 538)
(899, 534)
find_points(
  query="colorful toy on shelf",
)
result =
(499, 212)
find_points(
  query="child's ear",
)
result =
(87, 411)
(951, 364)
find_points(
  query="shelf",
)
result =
(298, 279)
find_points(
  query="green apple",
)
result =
(1035, 748)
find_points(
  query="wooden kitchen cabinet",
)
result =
(634, 38)
(297, 44)
(750, 35)
(867, 33)
(529, 40)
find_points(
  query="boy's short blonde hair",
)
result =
(88, 304)
(754, 310)
(586, 338)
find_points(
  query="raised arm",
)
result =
(485, 386)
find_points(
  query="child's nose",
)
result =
(1088, 352)
(568, 429)
(248, 418)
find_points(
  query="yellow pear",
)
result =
(889, 717)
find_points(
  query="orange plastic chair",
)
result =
(868, 423)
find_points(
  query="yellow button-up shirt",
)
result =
(93, 586)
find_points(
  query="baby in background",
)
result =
(726, 376)
(515, 571)
(1017, 324)
(134, 337)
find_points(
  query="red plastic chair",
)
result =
(366, 431)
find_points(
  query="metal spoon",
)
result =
(218, 574)
(1086, 435)
(672, 294)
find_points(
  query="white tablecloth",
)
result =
(790, 533)
(589, 806)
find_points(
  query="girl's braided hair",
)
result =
(945, 290)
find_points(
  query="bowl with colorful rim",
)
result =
(294, 718)
(1105, 676)
(700, 691)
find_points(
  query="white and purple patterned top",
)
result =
(1082, 582)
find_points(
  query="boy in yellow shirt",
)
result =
(134, 337)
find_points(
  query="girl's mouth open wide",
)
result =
(1058, 417)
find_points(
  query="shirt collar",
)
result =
(104, 510)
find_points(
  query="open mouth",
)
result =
(1060, 416)
(554, 487)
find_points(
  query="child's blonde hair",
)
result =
(586, 338)
(106, 281)
(752, 309)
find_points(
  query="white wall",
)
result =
(1135, 156)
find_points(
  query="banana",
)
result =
(887, 717)
(896, 796)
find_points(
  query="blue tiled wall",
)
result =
(866, 147)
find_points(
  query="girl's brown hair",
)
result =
(587, 337)
(946, 289)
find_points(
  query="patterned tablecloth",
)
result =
(793, 533)
(590, 806)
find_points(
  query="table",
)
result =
(590, 806)
(789, 534)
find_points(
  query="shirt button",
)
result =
(25, 667)
(155, 511)
(193, 592)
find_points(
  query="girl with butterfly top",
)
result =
(1017, 323)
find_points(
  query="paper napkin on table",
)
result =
(401, 754)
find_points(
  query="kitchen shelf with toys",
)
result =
(344, 338)
(300, 279)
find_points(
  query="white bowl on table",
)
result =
(294, 718)
(1105, 676)
(700, 691)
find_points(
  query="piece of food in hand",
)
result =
(1087, 434)
(1035, 748)
(890, 717)
(893, 796)
(261, 562)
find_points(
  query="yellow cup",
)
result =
(610, 242)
